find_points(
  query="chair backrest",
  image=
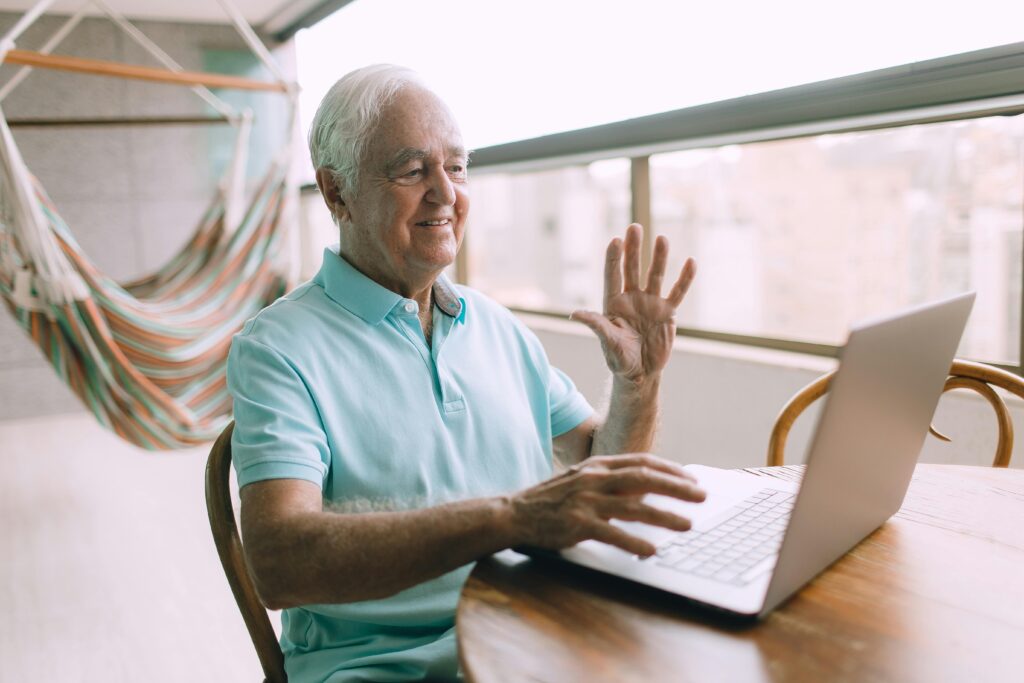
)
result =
(229, 547)
(962, 375)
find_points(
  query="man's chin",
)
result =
(437, 257)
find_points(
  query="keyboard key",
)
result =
(757, 570)
(688, 564)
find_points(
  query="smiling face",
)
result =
(404, 222)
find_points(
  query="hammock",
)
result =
(147, 357)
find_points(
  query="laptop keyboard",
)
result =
(735, 550)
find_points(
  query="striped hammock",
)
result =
(148, 358)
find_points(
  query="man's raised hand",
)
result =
(637, 327)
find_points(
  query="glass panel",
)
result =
(537, 240)
(797, 238)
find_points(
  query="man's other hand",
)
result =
(578, 504)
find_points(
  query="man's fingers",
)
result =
(615, 462)
(631, 267)
(686, 275)
(634, 510)
(613, 535)
(657, 272)
(639, 480)
(612, 271)
(601, 326)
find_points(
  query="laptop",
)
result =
(757, 540)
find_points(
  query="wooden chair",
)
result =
(962, 375)
(229, 547)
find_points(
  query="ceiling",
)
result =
(280, 18)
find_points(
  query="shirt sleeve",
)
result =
(568, 406)
(278, 431)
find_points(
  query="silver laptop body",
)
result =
(756, 540)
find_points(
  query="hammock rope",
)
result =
(147, 357)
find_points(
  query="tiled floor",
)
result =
(107, 568)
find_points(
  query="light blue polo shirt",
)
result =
(334, 383)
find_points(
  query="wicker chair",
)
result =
(962, 375)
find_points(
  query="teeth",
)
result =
(444, 222)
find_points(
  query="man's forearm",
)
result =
(326, 557)
(632, 418)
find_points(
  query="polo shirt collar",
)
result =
(372, 302)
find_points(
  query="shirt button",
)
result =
(410, 307)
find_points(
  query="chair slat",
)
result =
(229, 548)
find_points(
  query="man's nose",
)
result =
(441, 189)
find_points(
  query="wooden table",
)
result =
(936, 594)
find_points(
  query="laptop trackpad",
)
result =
(725, 489)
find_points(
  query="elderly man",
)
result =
(392, 427)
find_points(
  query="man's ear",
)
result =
(332, 196)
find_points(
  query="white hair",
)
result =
(347, 116)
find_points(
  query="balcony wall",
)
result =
(720, 401)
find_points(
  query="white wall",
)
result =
(720, 401)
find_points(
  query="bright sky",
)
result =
(518, 69)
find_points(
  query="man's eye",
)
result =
(409, 176)
(457, 171)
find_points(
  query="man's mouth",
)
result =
(435, 223)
